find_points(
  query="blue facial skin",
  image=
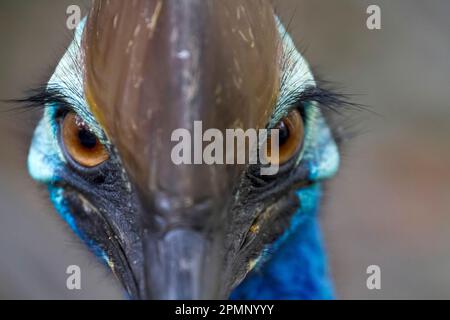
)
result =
(295, 266)
(59, 202)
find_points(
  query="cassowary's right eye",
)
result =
(81, 144)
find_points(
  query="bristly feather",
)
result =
(42, 97)
(336, 106)
(66, 92)
(310, 90)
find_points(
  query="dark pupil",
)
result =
(87, 138)
(283, 132)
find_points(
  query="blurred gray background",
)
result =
(389, 205)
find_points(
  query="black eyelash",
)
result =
(41, 98)
(325, 98)
(337, 108)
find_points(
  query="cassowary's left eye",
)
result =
(81, 143)
(291, 134)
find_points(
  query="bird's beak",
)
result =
(182, 264)
(153, 67)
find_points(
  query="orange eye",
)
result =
(81, 143)
(291, 134)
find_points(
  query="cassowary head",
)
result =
(137, 71)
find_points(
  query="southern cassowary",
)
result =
(135, 72)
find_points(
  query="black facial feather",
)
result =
(42, 97)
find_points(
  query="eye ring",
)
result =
(291, 135)
(80, 143)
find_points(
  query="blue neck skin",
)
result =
(298, 267)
